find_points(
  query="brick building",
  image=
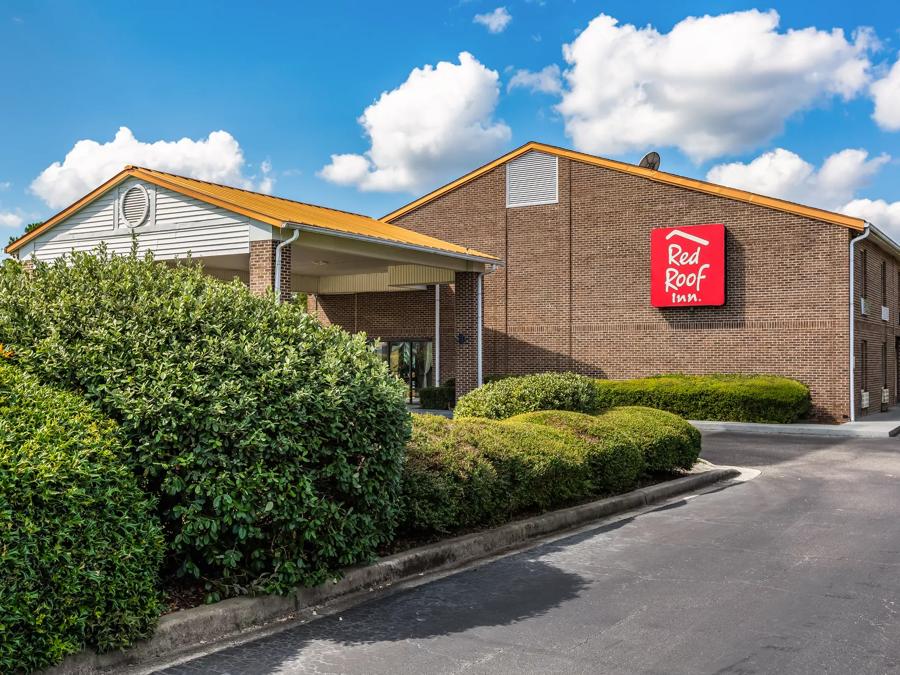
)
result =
(574, 294)
(283, 247)
(541, 260)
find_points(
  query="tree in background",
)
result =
(28, 228)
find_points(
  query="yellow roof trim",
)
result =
(275, 211)
(650, 174)
(66, 212)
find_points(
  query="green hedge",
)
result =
(463, 473)
(665, 441)
(614, 459)
(736, 398)
(444, 396)
(437, 398)
(79, 546)
(515, 395)
(274, 444)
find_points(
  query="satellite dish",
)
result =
(650, 161)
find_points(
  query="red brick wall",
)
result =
(575, 291)
(262, 268)
(398, 314)
(871, 328)
(466, 324)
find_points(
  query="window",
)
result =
(884, 383)
(884, 283)
(864, 283)
(864, 365)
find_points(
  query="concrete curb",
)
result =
(858, 429)
(184, 631)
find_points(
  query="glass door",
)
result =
(412, 361)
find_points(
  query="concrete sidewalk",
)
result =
(878, 425)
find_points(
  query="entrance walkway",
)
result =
(878, 425)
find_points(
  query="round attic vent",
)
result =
(135, 205)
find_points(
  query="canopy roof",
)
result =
(275, 211)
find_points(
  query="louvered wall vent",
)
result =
(135, 206)
(532, 179)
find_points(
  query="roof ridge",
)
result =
(688, 178)
(696, 184)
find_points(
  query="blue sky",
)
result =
(766, 97)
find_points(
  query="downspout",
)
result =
(479, 379)
(853, 242)
(437, 335)
(286, 242)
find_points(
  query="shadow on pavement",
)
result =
(502, 592)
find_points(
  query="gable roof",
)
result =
(275, 211)
(650, 174)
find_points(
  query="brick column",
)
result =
(262, 268)
(466, 318)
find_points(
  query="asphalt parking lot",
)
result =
(796, 571)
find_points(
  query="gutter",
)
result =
(391, 242)
(852, 305)
(286, 242)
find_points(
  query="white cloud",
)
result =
(217, 158)
(884, 215)
(5, 185)
(347, 169)
(437, 123)
(833, 186)
(267, 182)
(546, 80)
(496, 21)
(10, 219)
(886, 94)
(782, 173)
(713, 85)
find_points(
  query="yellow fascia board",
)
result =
(811, 212)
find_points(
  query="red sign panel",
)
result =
(687, 266)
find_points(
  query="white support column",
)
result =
(437, 335)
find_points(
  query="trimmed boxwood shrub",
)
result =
(462, 473)
(436, 398)
(515, 395)
(80, 547)
(735, 398)
(274, 443)
(664, 441)
(613, 456)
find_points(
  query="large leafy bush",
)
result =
(736, 398)
(80, 547)
(514, 395)
(274, 443)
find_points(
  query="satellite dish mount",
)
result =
(650, 161)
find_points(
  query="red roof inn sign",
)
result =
(687, 266)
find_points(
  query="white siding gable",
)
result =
(176, 226)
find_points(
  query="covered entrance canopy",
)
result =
(271, 243)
